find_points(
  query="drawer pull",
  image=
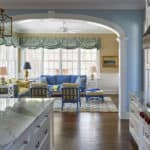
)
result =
(46, 130)
(45, 115)
(146, 135)
(25, 142)
(38, 126)
(37, 145)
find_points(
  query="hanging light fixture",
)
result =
(5, 24)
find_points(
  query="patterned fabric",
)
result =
(53, 43)
(3, 90)
(70, 85)
(71, 95)
(98, 92)
(8, 89)
(38, 90)
(94, 105)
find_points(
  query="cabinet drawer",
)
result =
(40, 132)
(22, 143)
(147, 133)
(146, 146)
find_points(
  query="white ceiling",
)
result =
(72, 4)
(58, 26)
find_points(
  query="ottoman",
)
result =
(94, 93)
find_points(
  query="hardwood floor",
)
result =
(91, 131)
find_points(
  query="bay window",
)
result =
(61, 61)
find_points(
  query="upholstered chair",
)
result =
(71, 94)
(38, 90)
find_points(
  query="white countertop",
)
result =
(17, 114)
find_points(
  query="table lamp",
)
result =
(3, 73)
(26, 67)
(93, 71)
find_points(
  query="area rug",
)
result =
(91, 106)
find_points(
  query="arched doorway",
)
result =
(123, 114)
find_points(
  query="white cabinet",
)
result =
(37, 136)
(147, 74)
(134, 118)
(138, 123)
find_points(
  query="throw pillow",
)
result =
(55, 87)
(78, 80)
(43, 80)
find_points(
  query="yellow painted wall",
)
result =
(109, 47)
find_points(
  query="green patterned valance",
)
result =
(51, 43)
(10, 41)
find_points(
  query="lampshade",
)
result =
(93, 69)
(27, 65)
(3, 71)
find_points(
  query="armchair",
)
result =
(39, 90)
(71, 94)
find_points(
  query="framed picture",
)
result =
(110, 61)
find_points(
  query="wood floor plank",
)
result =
(91, 131)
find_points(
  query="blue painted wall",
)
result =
(131, 22)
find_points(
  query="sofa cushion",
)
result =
(73, 78)
(62, 79)
(50, 79)
(23, 90)
(56, 87)
(23, 83)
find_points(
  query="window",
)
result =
(70, 61)
(8, 58)
(34, 56)
(88, 60)
(51, 61)
(61, 61)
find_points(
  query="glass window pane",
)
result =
(69, 61)
(8, 59)
(34, 56)
(51, 61)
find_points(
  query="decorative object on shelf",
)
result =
(5, 24)
(110, 61)
(3, 73)
(26, 67)
(93, 71)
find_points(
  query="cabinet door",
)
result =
(147, 74)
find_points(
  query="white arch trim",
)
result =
(122, 39)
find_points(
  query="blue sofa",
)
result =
(55, 82)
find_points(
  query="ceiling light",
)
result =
(5, 24)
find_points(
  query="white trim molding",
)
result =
(122, 49)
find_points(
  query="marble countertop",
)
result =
(18, 114)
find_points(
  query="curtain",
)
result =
(33, 42)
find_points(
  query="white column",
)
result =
(123, 114)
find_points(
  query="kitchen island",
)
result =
(26, 124)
